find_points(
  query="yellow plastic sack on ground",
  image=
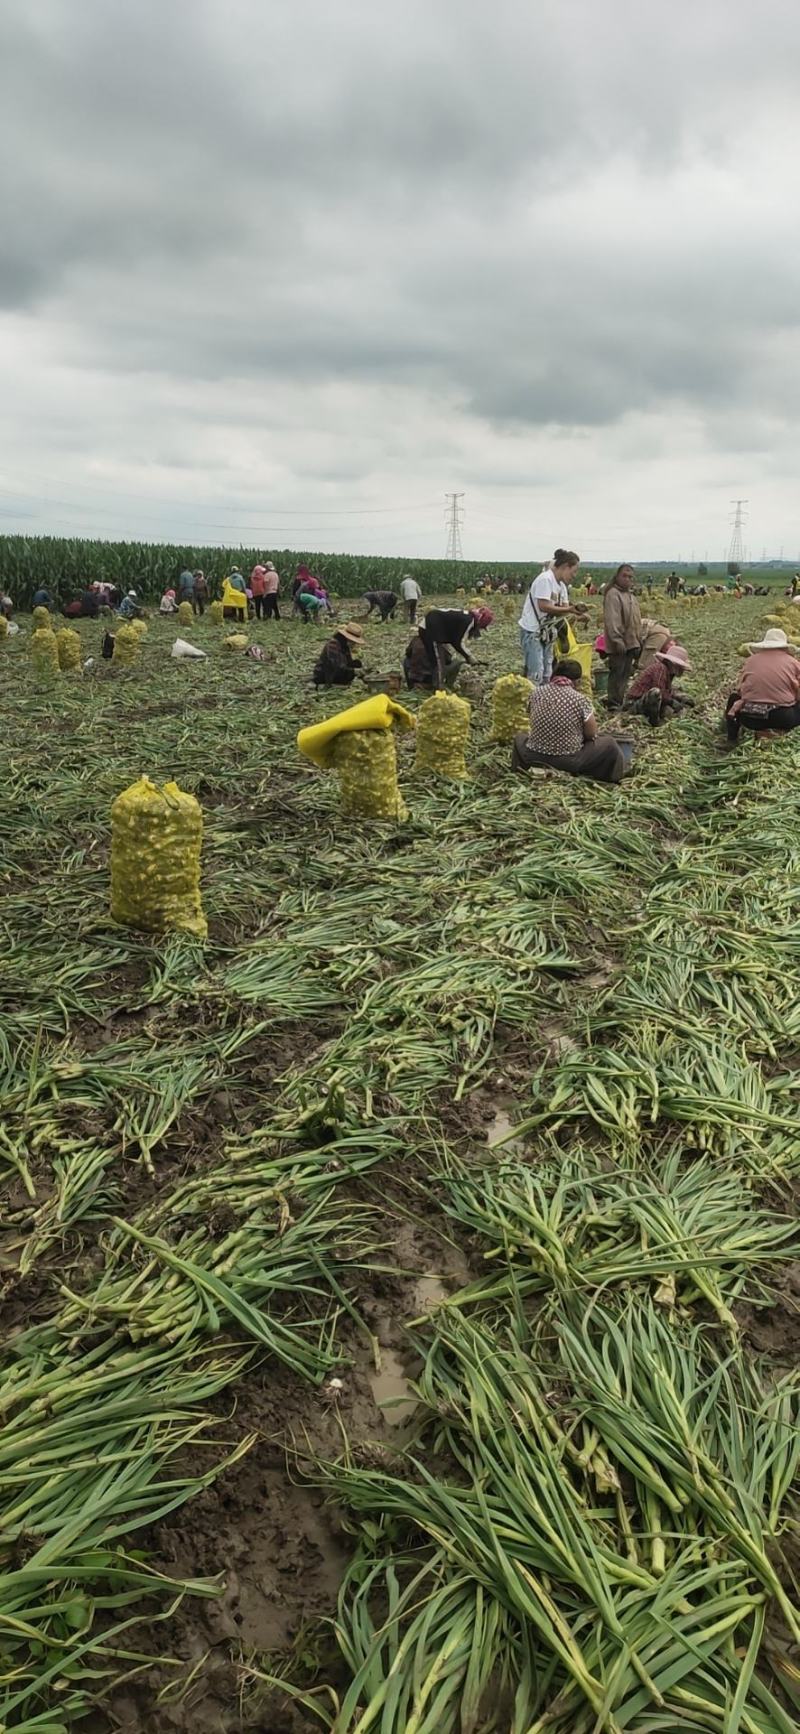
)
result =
(127, 646)
(44, 653)
(442, 735)
(231, 599)
(215, 611)
(69, 648)
(41, 619)
(185, 613)
(511, 697)
(366, 762)
(381, 712)
(156, 840)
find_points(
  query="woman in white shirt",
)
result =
(546, 603)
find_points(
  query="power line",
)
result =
(455, 519)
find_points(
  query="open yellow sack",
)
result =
(232, 598)
(156, 840)
(381, 712)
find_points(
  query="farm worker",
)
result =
(622, 628)
(562, 733)
(652, 693)
(42, 599)
(258, 578)
(89, 604)
(129, 606)
(272, 586)
(186, 585)
(419, 665)
(309, 605)
(200, 593)
(411, 594)
(653, 638)
(449, 628)
(336, 665)
(546, 603)
(795, 590)
(769, 689)
(6, 604)
(385, 601)
(168, 603)
(236, 581)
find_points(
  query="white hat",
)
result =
(132, 593)
(774, 639)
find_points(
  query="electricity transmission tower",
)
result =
(454, 519)
(736, 549)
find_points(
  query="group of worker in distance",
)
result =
(642, 659)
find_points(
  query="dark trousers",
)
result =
(271, 609)
(338, 677)
(620, 668)
(600, 759)
(259, 604)
(412, 613)
(780, 718)
(199, 604)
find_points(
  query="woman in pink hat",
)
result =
(652, 693)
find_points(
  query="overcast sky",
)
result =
(286, 271)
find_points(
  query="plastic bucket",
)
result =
(626, 746)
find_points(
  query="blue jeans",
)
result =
(538, 657)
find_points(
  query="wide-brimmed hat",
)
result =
(774, 639)
(675, 654)
(352, 631)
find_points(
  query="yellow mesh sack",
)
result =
(41, 619)
(216, 614)
(127, 646)
(236, 641)
(44, 654)
(442, 735)
(511, 697)
(156, 840)
(185, 613)
(139, 627)
(68, 644)
(3, 626)
(232, 598)
(366, 762)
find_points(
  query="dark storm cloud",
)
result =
(560, 213)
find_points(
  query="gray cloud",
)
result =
(312, 249)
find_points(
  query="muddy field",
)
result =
(233, 1175)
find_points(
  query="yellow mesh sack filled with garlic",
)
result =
(68, 644)
(442, 735)
(366, 763)
(511, 697)
(127, 646)
(44, 654)
(156, 843)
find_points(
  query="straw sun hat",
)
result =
(774, 639)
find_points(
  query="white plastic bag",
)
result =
(181, 647)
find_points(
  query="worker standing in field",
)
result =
(200, 592)
(562, 734)
(258, 589)
(410, 594)
(769, 689)
(272, 586)
(622, 630)
(385, 601)
(186, 585)
(546, 603)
